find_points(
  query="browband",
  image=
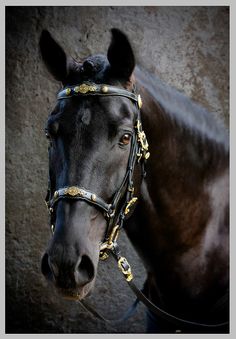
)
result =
(90, 88)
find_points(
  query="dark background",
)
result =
(188, 47)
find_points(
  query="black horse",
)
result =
(173, 205)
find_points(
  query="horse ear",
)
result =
(120, 55)
(53, 56)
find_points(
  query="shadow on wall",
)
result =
(186, 46)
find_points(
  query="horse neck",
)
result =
(187, 161)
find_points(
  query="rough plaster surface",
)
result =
(188, 47)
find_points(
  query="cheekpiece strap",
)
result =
(88, 88)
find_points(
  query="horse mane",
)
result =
(184, 111)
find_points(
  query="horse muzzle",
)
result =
(73, 279)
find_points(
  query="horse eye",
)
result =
(125, 139)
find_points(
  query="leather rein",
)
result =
(123, 201)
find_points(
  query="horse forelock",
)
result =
(93, 69)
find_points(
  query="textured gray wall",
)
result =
(188, 47)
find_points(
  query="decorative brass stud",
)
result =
(50, 210)
(142, 139)
(93, 197)
(129, 204)
(140, 103)
(52, 228)
(68, 91)
(104, 89)
(56, 193)
(84, 88)
(73, 191)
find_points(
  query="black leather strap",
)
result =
(167, 316)
(78, 193)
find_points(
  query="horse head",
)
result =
(91, 134)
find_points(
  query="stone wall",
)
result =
(188, 47)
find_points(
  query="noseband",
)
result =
(116, 211)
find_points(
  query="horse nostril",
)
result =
(84, 270)
(48, 269)
(45, 268)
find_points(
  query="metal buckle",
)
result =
(125, 268)
(111, 213)
(109, 244)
